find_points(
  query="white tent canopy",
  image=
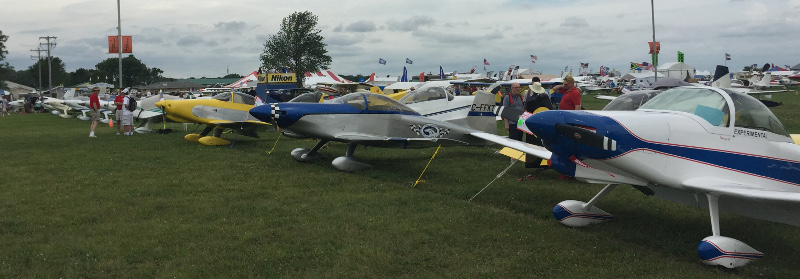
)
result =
(677, 70)
(630, 76)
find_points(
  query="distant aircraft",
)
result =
(702, 146)
(375, 120)
(223, 111)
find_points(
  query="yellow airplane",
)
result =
(223, 111)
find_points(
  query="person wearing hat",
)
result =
(571, 99)
(94, 105)
(534, 88)
(118, 101)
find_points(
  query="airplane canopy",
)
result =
(425, 94)
(711, 105)
(372, 102)
(239, 98)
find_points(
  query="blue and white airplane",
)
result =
(703, 146)
(377, 120)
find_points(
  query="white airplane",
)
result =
(703, 146)
(722, 80)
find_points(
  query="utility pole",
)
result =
(38, 65)
(50, 45)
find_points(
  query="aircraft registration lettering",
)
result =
(482, 107)
(749, 133)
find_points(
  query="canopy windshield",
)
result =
(425, 94)
(372, 102)
(239, 98)
(711, 106)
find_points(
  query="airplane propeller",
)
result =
(586, 136)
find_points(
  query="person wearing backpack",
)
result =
(127, 115)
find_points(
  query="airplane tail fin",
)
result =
(765, 81)
(722, 79)
(481, 114)
(69, 94)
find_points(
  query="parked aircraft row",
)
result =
(703, 146)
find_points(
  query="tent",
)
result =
(796, 67)
(677, 70)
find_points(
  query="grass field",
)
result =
(158, 206)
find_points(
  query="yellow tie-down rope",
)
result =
(419, 179)
(276, 140)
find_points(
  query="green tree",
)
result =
(5, 68)
(297, 46)
(57, 70)
(134, 72)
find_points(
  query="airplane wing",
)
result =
(531, 149)
(605, 97)
(144, 114)
(247, 128)
(727, 188)
(356, 137)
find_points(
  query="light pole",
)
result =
(655, 53)
(119, 43)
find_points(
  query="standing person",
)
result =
(571, 99)
(513, 99)
(94, 105)
(4, 104)
(119, 101)
(127, 115)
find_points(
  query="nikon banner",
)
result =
(277, 78)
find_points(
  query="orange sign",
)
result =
(113, 44)
(654, 49)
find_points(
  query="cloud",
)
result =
(361, 26)
(411, 24)
(191, 40)
(574, 22)
(232, 26)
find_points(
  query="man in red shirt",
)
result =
(94, 105)
(118, 102)
(572, 96)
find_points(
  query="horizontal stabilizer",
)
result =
(531, 149)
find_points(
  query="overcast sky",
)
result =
(205, 38)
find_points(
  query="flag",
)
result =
(422, 77)
(472, 71)
(647, 66)
(381, 61)
(533, 58)
(727, 56)
(408, 61)
(680, 57)
(584, 65)
(486, 63)
(404, 78)
(441, 72)
(635, 66)
(565, 68)
(602, 73)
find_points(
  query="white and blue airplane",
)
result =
(703, 146)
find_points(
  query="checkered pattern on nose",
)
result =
(275, 110)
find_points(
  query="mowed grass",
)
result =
(159, 206)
